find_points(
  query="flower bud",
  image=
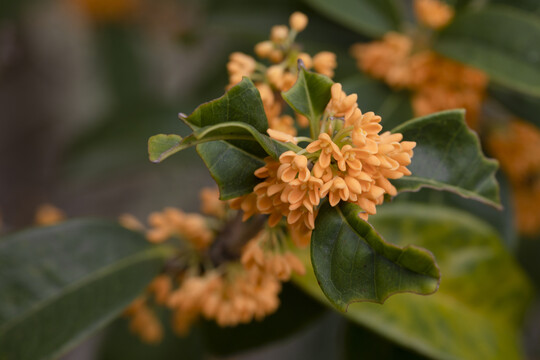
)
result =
(264, 49)
(279, 33)
(298, 21)
(308, 62)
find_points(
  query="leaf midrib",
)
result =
(437, 185)
(76, 285)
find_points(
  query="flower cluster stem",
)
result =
(228, 244)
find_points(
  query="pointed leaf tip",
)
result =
(309, 96)
(162, 146)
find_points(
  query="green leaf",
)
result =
(309, 97)
(483, 295)
(353, 263)
(238, 117)
(241, 103)
(297, 310)
(162, 146)
(502, 41)
(448, 157)
(234, 130)
(502, 220)
(368, 17)
(231, 167)
(61, 283)
(521, 105)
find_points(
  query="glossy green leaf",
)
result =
(61, 283)
(238, 130)
(448, 157)
(483, 295)
(368, 17)
(502, 220)
(162, 146)
(231, 167)
(353, 263)
(521, 105)
(309, 96)
(502, 41)
(241, 103)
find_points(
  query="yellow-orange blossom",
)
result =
(349, 161)
(230, 293)
(437, 83)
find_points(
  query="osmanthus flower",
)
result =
(172, 221)
(516, 144)
(279, 71)
(348, 161)
(293, 166)
(144, 322)
(229, 290)
(240, 292)
(341, 105)
(328, 150)
(48, 214)
(437, 83)
(434, 14)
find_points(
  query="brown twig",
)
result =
(228, 244)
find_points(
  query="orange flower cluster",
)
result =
(143, 321)
(517, 147)
(437, 83)
(48, 214)
(174, 222)
(210, 203)
(387, 59)
(350, 161)
(441, 84)
(241, 296)
(230, 293)
(282, 72)
(434, 14)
